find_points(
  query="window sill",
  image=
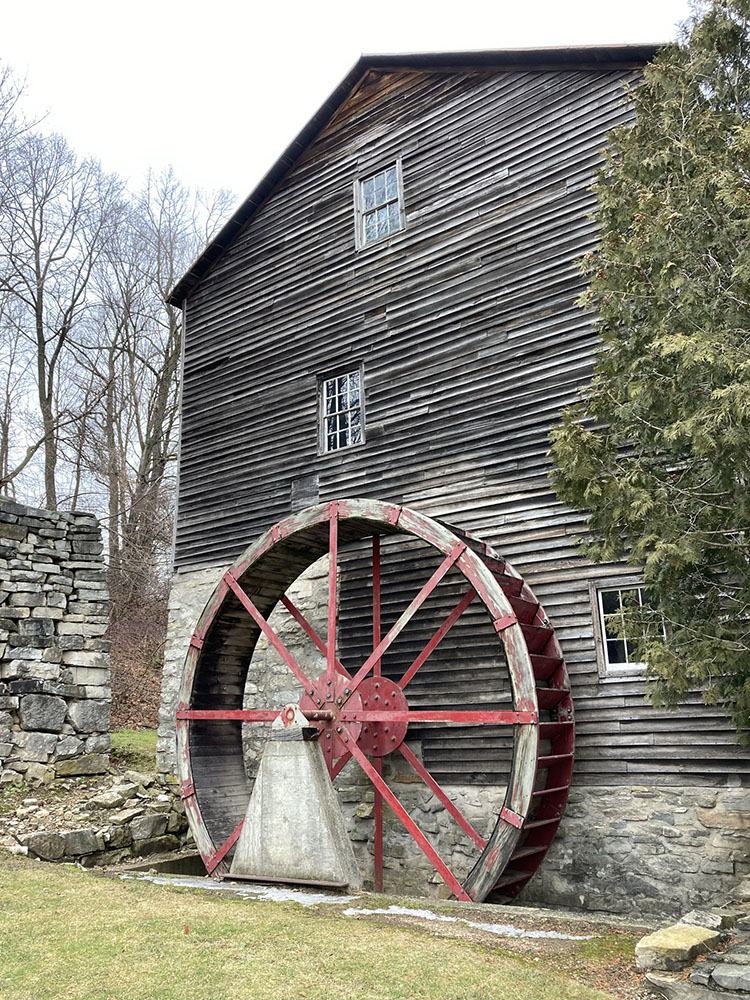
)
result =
(342, 451)
(614, 677)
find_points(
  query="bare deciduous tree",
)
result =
(57, 216)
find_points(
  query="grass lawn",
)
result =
(69, 934)
(134, 748)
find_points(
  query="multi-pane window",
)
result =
(379, 208)
(618, 640)
(342, 422)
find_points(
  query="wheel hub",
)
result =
(331, 695)
(378, 739)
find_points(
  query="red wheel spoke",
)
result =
(300, 619)
(437, 862)
(269, 633)
(479, 718)
(407, 615)
(245, 714)
(425, 775)
(376, 600)
(378, 840)
(213, 861)
(332, 575)
(447, 625)
(338, 767)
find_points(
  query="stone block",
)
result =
(715, 920)
(68, 746)
(139, 778)
(43, 844)
(26, 599)
(93, 676)
(17, 532)
(731, 976)
(93, 763)
(176, 823)
(119, 836)
(674, 947)
(80, 842)
(39, 774)
(49, 614)
(99, 744)
(155, 845)
(34, 746)
(89, 716)
(85, 658)
(27, 652)
(126, 815)
(718, 819)
(111, 798)
(147, 826)
(42, 712)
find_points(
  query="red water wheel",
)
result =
(363, 713)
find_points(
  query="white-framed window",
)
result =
(616, 646)
(379, 205)
(342, 411)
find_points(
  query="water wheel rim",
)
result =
(265, 570)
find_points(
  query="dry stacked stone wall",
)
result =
(54, 660)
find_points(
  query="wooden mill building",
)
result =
(392, 313)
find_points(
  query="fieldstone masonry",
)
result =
(54, 661)
(652, 851)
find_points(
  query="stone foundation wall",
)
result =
(647, 850)
(54, 661)
(625, 850)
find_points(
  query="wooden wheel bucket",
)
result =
(363, 714)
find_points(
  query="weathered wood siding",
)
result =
(471, 340)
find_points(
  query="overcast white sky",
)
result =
(218, 89)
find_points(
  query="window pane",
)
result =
(612, 626)
(631, 652)
(610, 601)
(616, 651)
(368, 193)
(379, 189)
(391, 183)
(371, 227)
(382, 222)
(394, 217)
(356, 432)
(353, 394)
(331, 442)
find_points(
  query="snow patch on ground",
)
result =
(505, 930)
(271, 893)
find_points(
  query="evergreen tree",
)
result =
(658, 449)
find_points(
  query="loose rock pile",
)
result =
(54, 661)
(131, 815)
(719, 972)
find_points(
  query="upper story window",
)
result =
(379, 205)
(618, 642)
(342, 411)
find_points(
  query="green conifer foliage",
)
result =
(658, 449)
